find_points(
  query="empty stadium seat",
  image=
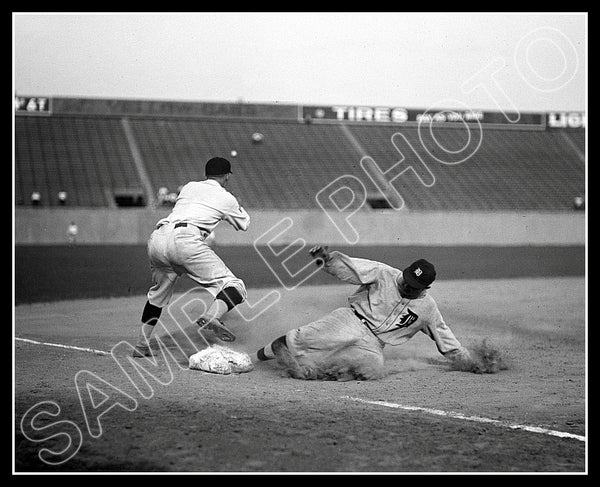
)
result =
(87, 157)
(90, 158)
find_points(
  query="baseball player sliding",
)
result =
(178, 246)
(389, 307)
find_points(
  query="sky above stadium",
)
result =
(523, 61)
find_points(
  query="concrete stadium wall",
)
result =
(44, 226)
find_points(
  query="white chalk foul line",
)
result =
(478, 419)
(59, 345)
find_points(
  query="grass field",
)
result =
(422, 417)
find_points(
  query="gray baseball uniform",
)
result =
(354, 337)
(177, 246)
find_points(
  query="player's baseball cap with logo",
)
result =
(419, 274)
(217, 166)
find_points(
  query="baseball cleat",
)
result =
(141, 351)
(218, 328)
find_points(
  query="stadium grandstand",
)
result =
(505, 193)
(110, 153)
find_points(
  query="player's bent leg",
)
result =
(225, 301)
(279, 350)
(268, 351)
(231, 296)
(150, 316)
(336, 347)
(217, 327)
(209, 271)
(360, 360)
(358, 363)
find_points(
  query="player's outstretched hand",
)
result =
(320, 253)
(483, 359)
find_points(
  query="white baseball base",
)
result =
(221, 360)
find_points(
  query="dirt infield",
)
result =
(428, 418)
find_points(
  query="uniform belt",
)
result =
(362, 318)
(368, 325)
(184, 224)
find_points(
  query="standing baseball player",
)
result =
(389, 307)
(178, 246)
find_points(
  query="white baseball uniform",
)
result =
(354, 337)
(177, 245)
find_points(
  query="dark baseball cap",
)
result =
(420, 274)
(217, 166)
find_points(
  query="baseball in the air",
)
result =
(233, 153)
